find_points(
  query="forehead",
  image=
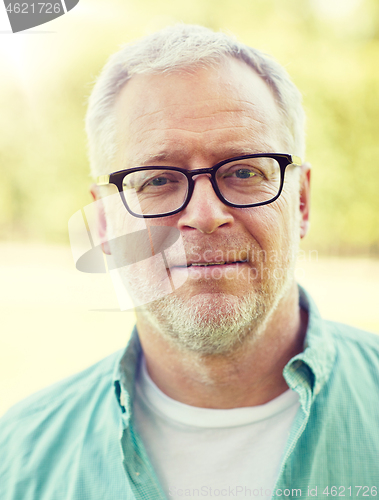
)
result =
(214, 112)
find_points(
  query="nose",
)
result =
(205, 211)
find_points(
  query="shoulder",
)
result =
(48, 410)
(72, 387)
(349, 339)
(52, 442)
(357, 359)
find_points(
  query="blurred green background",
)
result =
(329, 47)
(56, 321)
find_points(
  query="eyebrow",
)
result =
(149, 158)
(169, 157)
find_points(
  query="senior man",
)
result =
(232, 385)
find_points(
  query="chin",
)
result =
(208, 323)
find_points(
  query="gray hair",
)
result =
(174, 48)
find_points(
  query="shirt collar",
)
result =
(124, 374)
(305, 373)
(308, 371)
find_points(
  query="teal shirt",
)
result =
(76, 439)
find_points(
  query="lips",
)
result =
(210, 264)
(207, 264)
(205, 256)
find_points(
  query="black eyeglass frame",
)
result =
(116, 178)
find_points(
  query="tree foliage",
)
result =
(332, 55)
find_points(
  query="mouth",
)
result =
(209, 264)
(203, 259)
(207, 273)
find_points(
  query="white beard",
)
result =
(212, 323)
(208, 323)
(196, 325)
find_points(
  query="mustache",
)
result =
(215, 250)
(180, 250)
(197, 253)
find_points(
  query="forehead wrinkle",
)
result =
(223, 153)
(168, 124)
(170, 147)
(141, 113)
(198, 132)
(193, 116)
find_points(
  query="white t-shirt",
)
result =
(201, 452)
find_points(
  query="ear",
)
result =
(101, 219)
(305, 179)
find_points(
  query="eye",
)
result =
(165, 179)
(244, 173)
(158, 181)
(241, 172)
(154, 181)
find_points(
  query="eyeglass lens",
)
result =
(242, 182)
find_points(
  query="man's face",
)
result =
(194, 119)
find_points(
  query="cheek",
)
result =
(132, 239)
(119, 222)
(274, 226)
(288, 208)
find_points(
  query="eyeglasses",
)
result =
(240, 182)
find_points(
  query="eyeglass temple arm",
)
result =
(102, 180)
(296, 160)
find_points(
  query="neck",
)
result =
(251, 375)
